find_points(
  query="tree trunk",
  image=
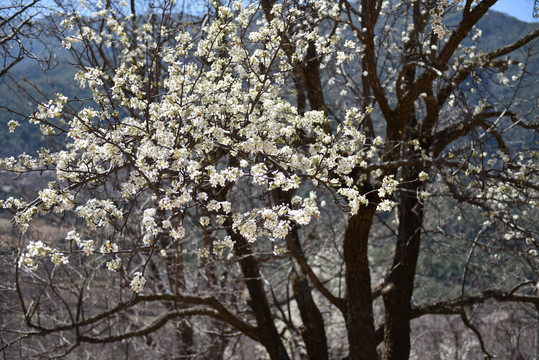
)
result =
(269, 337)
(313, 80)
(360, 321)
(313, 330)
(397, 293)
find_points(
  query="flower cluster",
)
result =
(40, 250)
(138, 282)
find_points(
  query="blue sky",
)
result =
(521, 9)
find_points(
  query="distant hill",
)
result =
(30, 76)
(498, 30)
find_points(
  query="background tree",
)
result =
(325, 144)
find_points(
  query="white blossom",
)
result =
(138, 282)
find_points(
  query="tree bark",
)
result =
(269, 337)
(360, 320)
(397, 293)
(313, 330)
(313, 80)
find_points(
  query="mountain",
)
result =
(28, 80)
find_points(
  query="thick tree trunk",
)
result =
(300, 90)
(360, 321)
(269, 337)
(397, 293)
(313, 80)
(313, 330)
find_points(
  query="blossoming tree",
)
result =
(266, 170)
